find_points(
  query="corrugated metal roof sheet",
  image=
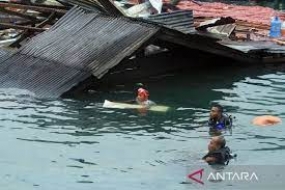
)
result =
(78, 45)
(181, 20)
(92, 42)
(4, 54)
(45, 79)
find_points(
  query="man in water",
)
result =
(218, 152)
(142, 98)
(218, 120)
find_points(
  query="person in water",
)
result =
(218, 119)
(218, 152)
(142, 98)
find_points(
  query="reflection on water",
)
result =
(77, 144)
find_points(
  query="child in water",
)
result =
(142, 98)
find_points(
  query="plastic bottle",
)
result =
(275, 28)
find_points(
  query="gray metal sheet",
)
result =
(45, 79)
(91, 42)
(78, 45)
(4, 55)
(181, 20)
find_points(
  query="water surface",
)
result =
(77, 144)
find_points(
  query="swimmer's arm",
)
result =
(210, 159)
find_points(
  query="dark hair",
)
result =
(220, 108)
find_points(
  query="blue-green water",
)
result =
(76, 144)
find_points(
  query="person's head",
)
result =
(142, 95)
(216, 143)
(216, 111)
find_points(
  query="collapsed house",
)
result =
(71, 47)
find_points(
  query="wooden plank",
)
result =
(5, 25)
(32, 7)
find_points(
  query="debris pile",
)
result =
(21, 19)
(139, 8)
(250, 23)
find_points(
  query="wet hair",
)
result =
(222, 141)
(220, 108)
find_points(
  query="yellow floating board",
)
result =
(119, 105)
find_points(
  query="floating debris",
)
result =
(83, 161)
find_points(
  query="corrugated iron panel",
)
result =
(45, 79)
(78, 45)
(4, 55)
(91, 42)
(181, 20)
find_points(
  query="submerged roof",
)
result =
(78, 45)
(4, 54)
